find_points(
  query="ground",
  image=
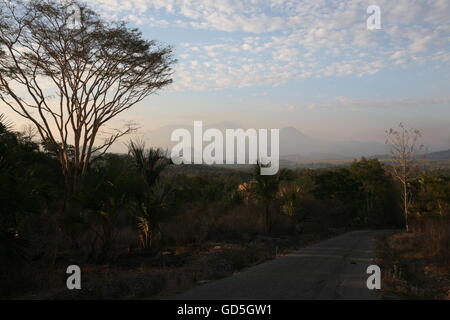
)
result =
(141, 275)
(412, 270)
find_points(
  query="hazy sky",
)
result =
(310, 64)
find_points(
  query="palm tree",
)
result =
(291, 206)
(150, 163)
(151, 212)
(5, 125)
(266, 188)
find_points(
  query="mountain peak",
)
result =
(293, 131)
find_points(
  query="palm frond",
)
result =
(149, 162)
(5, 125)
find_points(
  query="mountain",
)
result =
(439, 155)
(294, 142)
(436, 155)
(294, 145)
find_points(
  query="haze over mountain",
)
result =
(439, 155)
(294, 145)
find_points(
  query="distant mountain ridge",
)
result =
(436, 155)
(439, 155)
(295, 146)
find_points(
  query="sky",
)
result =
(311, 64)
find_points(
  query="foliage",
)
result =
(153, 201)
(265, 189)
(432, 195)
(379, 204)
(101, 204)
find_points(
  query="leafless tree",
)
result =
(405, 148)
(70, 73)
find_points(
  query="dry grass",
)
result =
(416, 265)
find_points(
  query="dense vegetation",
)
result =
(141, 203)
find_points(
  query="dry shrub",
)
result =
(434, 232)
(239, 223)
(192, 226)
(127, 238)
(213, 223)
(282, 224)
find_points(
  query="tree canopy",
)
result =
(70, 73)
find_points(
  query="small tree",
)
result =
(153, 201)
(265, 189)
(290, 196)
(404, 151)
(70, 73)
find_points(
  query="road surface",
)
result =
(332, 269)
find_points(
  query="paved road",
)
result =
(332, 269)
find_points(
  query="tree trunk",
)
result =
(405, 205)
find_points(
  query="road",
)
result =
(332, 269)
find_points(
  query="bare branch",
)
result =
(71, 80)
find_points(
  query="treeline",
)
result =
(140, 202)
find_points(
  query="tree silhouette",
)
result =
(71, 79)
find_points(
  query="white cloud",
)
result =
(343, 102)
(284, 40)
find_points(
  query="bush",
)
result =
(435, 231)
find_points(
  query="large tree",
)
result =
(70, 72)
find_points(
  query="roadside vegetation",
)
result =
(137, 214)
(416, 264)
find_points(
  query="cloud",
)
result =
(349, 103)
(276, 41)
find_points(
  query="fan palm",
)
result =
(150, 163)
(5, 125)
(266, 188)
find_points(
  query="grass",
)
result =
(415, 265)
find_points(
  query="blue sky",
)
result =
(309, 64)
